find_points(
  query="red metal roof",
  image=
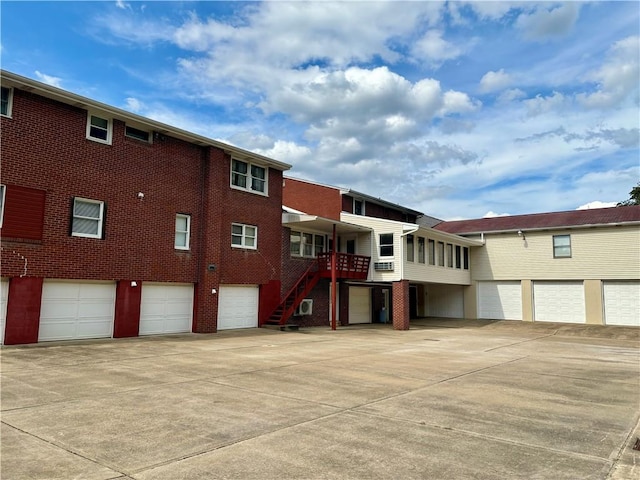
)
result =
(572, 218)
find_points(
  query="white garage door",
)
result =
(622, 303)
(74, 310)
(359, 305)
(500, 300)
(4, 295)
(559, 302)
(445, 301)
(166, 308)
(238, 307)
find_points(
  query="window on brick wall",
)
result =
(6, 101)
(138, 134)
(183, 231)
(87, 218)
(244, 236)
(99, 128)
(2, 195)
(246, 176)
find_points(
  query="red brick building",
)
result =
(117, 225)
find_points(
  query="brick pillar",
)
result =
(400, 302)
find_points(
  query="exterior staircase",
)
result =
(294, 297)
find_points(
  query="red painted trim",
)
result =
(268, 300)
(23, 310)
(127, 313)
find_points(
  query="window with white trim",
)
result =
(88, 218)
(441, 254)
(247, 176)
(449, 255)
(183, 231)
(465, 258)
(6, 101)
(138, 134)
(386, 244)
(358, 207)
(99, 129)
(304, 244)
(2, 193)
(562, 246)
(244, 236)
(458, 256)
(421, 255)
(432, 251)
(410, 248)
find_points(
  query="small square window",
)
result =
(244, 236)
(183, 230)
(245, 176)
(99, 129)
(561, 246)
(6, 101)
(88, 218)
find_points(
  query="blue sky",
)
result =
(456, 109)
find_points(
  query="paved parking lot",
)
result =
(444, 400)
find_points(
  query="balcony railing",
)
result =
(348, 265)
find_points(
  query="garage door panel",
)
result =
(445, 301)
(166, 308)
(501, 300)
(238, 306)
(76, 310)
(622, 303)
(559, 302)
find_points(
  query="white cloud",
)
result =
(549, 22)
(435, 49)
(123, 5)
(541, 105)
(492, 81)
(133, 105)
(617, 79)
(510, 95)
(49, 79)
(491, 214)
(596, 204)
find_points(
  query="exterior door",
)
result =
(359, 305)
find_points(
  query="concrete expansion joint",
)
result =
(520, 342)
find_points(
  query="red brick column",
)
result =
(400, 302)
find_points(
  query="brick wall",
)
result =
(401, 314)
(312, 199)
(44, 147)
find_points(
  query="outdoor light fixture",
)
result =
(521, 234)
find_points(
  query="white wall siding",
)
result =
(445, 301)
(596, 253)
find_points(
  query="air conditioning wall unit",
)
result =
(305, 307)
(383, 266)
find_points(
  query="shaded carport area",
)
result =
(453, 399)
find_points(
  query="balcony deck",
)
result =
(348, 266)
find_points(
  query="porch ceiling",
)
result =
(314, 222)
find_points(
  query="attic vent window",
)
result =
(132, 132)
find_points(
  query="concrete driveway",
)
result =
(444, 400)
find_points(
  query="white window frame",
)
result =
(362, 203)
(561, 246)
(318, 244)
(243, 236)
(422, 256)
(187, 232)
(9, 103)
(249, 177)
(383, 245)
(411, 250)
(109, 128)
(100, 219)
(3, 192)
